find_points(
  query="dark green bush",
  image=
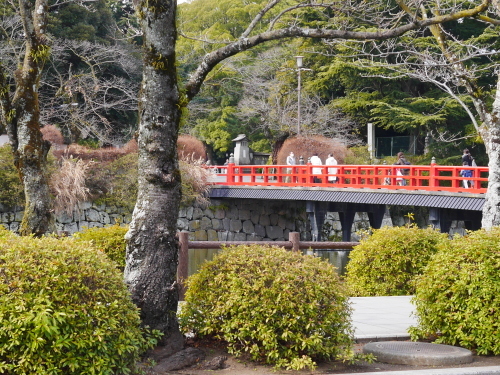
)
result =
(64, 309)
(387, 262)
(457, 298)
(110, 240)
(278, 306)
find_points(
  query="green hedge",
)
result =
(387, 262)
(458, 297)
(64, 309)
(278, 306)
(110, 240)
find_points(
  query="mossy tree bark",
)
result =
(152, 251)
(21, 118)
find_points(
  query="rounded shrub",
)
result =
(457, 298)
(387, 262)
(280, 307)
(64, 309)
(110, 240)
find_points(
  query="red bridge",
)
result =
(409, 177)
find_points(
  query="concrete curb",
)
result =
(487, 370)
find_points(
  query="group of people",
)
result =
(467, 174)
(316, 160)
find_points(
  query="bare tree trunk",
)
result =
(152, 250)
(490, 133)
(21, 117)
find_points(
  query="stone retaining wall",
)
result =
(223, 220)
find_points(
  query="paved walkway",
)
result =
(382, 318)
(387, 319)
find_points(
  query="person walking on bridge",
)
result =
(400, 172)
(315, 160)
(332, 178)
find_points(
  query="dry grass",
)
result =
(306, 146)
(195, 181)
(190, 148)
(52, 134)
(68, 185)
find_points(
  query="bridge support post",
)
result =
(316, 211)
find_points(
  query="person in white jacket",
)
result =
(315, 160)
(331, 171)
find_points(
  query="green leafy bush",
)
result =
(110, 240)
(11, 189)
(280, 307)
(457, 297)
(64, 309)
(387, 262)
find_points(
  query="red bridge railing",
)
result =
(416, 177)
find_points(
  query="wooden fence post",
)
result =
(182, 268)
(294, 238)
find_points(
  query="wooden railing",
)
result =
(294, 243)
(418, 177)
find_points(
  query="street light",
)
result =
(299, 69)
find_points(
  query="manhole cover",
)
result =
(418, 353)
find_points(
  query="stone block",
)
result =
(205, 223)
(115, 219)
(264, 220)
(127, 218)
(79, 214)
(260, 230)
(200, 235)
(274, 232)
(197, 213)
(248, 227)
(225, 223)
(85, 205)
(182, 223)
(64, 217)
(71, 228)
(244, 215)
(104, 218)
(290, 224)
(232, 213)
(274, 219)
(92, 215)
(99, 207)
(255, 217)
(240, 237)
(194, 225)
(282, 222)
(219, 213)
(208, 213)
(235, 225)
(217, 224)
(212, 235)
(223, 235)
(189, 213)
(182, 212)
(14, 227)
(82, 225)
(253, 237)
(94, 224)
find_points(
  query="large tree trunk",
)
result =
(21, 118)
(152, 247)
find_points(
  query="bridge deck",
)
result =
(437, 199)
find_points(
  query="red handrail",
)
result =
(417, 177)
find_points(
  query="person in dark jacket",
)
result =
(401, 171)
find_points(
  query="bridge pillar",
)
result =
(347, 212)
(316, 212)
(441, 218)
